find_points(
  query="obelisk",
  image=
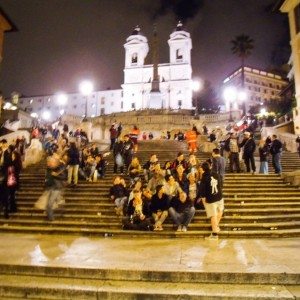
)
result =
(155, 100)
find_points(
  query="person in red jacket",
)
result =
(134, 134)
(191, 138)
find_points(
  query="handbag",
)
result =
(119, 160)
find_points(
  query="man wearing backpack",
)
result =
(276, 150)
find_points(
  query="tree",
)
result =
(242, 46)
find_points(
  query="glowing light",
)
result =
(61, 112)
(230, 94)
(86, 87)
(197, 85)
(263, 112)
(34, 115)
(46, 115)
(62, 99)
(242, 96)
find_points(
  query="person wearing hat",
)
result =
(248, 145)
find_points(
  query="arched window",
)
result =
(134, 58)
(179, 54)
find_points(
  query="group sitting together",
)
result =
(175, 190)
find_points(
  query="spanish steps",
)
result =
(255, 205)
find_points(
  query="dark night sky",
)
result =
(61, 42)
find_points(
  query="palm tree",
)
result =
(242, 46)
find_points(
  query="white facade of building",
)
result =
(259, 86)
(175, 82)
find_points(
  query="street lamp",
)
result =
(86, 88)
(46, 115)
(230, 94)
(197, 85)
(61, 100)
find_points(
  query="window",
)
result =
(179, 103)
(133, 105)
(121, 104)
(74, 106)
(297, 18)
(265, 91)
(102, 111)
(278, 87)
(270, 85)
(179, 54)
(102, 100)
(134, 58)
(40, 100)
(122, 94)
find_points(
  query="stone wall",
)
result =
(156, 121)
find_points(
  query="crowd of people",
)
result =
(174, 189)
(155, 190)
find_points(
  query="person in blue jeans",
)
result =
(276, 150)
(182, 211)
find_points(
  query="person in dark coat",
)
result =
(118, 156)
(248, 144)
(73, 164)
(136, 216)
(276, 152)
(159, 207)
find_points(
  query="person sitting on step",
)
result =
(159, 207)
(134, 170)
(182, 211)
(137, 215)
(118, 193)
(148, 167)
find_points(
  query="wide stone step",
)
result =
(238, 233)
(64, 288)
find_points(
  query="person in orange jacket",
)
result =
(134, 134)
(191, 138)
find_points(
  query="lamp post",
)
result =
(86, 88)
(232, 96)
(197, 85)
(61, 100)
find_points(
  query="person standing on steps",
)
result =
(134, 135)
(218, 165)
(248, 145)
(263, 150)
(113, 136)
(191, 138)
(276, 152)
(210, 192)
(127, 151)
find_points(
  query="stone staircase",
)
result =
(255, 205)
(43, 282)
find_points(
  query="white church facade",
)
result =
(175, 83)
